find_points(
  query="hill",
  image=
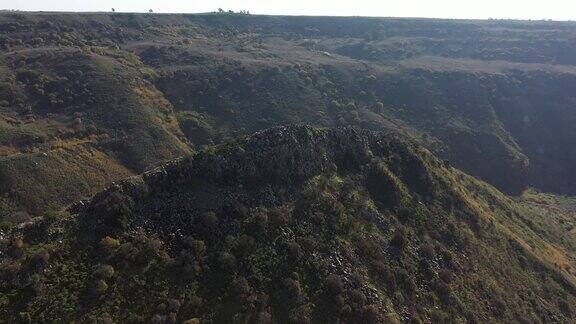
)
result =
(294, 224)
(88, 99)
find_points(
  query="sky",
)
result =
(475, 9)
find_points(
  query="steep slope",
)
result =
(452, 113)
(494, 98)
(76, 120)
(292, 224)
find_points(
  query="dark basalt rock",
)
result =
(266, 168)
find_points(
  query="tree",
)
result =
(150, 11)
(113, 10)
(220, 10)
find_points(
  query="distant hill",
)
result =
(87, 99)
(293, 224)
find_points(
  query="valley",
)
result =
(228, 167)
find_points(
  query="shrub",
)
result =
(438, 316)
(386, 275)
(241, 211)
(209, 221)
(301, 315)
(334, 284)
(259, 222)
(427, 251)
(264, 317)
(358, 297)
(112, 213)
(173, 305)
(227, 261)
(109, 244)
(244, 245)
(104, 271)
(198, 247)
(192, 321)
(101, 287)
(294, 250)
(335, 105)
(16, 248)
(446, 276)
(499, 307)
(39, 259)
(404, 280)
(158, 319)
(189, 264)
(399, 239)
(278, 217)
(565, 308)
(9, 270)
(443, 291)
(371, 314)
(294, 290)
(241, 290)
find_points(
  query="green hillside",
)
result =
(292, 225)
(231, 168)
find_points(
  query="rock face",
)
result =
(264, 169)
(292, 224)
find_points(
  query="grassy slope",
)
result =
(84, 118)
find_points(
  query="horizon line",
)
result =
(281, 15)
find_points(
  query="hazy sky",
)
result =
(515, 9)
